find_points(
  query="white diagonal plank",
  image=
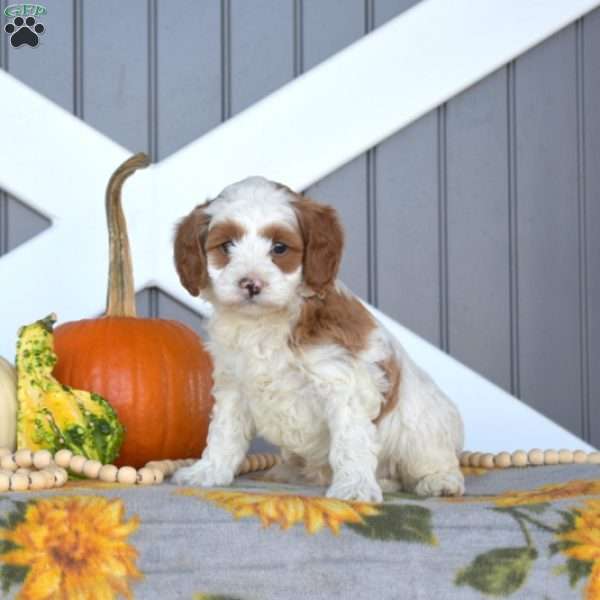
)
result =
(59, 165)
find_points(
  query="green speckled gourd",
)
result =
(52, 416)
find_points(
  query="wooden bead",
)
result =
(565, 457)
(535, 457)
(24, 458)
(579, 457)
(108, 473)
(23, 471)
(464, 458)
(37, 481)
(158, 475)
(91, 468)
(502, 460)
(145, 476)
(7, 462)
(153, 464)
(48, 478)
(60, 475)
(487, 461)
(474, 459)
(126, 475)
(519, 458)
(550, 457)
(63, 457)
(4, 452)
(4, 482)
(76, 464)
(593, 458)
(41, 459)
(19, 482)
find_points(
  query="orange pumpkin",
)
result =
(154, 372)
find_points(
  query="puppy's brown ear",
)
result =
(190, 257)
(323, 242)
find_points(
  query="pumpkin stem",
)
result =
(120, 298)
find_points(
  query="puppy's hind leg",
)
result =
(433, 473)
(429, 466)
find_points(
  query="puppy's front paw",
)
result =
(446, 483)
(203, 473)
(360, 491)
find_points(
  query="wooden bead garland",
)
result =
(533, 458)
(27, 470)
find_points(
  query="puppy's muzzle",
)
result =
(252, 286)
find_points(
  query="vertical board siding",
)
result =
(3, 223)
(406, 216)
(116, 72)
(261, 49)
(442, 187)
(546, 113)
(407, 225)
(591, 182)
(169, 308)
(48, 68)
(477, 228)
(23, 223)
(189, 72)
(142, 304)
(324, 33)
(513, 227)
(384, 10)
(78, 58)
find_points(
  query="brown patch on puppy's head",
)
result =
(323, 242)
(190, 257)
(289, 260)
(218, 237)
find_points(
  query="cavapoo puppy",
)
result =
(301, 362)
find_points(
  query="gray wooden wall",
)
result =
(478, 226)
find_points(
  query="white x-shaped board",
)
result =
(59, 165)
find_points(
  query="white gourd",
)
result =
(8, 405)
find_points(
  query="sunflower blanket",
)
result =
(519, 533)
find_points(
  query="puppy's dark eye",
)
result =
(226, 247)
(279, 248)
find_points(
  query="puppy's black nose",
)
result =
(252, 286)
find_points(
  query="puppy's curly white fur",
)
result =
(301, 362)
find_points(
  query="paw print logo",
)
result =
(24, 31)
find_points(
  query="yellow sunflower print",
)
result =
(287, 510)
(546, 493)
(550, 493)
(74, 547)
(585, 537)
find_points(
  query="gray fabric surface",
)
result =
(188, 545)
